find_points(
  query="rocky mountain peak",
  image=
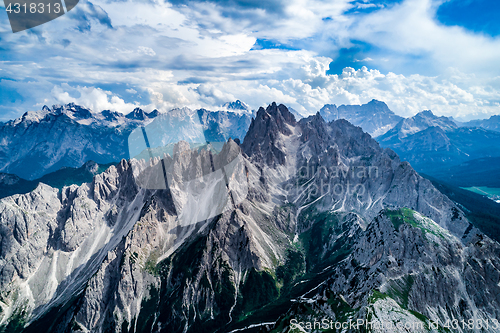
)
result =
(110, 115)
(262, 140)
(329, 112)
(153, 113)
(374, 117)
(137, 114)
(428, 118)
(426, 113)
(413, 125)
(281, 115)
(236, 105)
(73, 111)
(313, 128)
(379, 104)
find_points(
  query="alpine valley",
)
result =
(323, 225)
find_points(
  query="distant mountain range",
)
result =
(432, 144)
(492, 124)
(413, 125)
(70, 135)
(436, 145)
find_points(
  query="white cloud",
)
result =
(411, 29)
(201, 55)
(146, 50)
(93, 98)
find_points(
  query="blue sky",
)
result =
(105, 54)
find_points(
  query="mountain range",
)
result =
(323, 224)
(433, 144)
(70, 135)
(492, 123)
(375, 117)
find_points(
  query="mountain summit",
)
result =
(236, 105)
(375, 117)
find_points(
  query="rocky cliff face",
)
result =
(401, 270)
(319, 222)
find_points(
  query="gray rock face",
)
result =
(346, 169)
(52, 242)
(402, 269)
(110, 256)
(262, 140)
(374, 117)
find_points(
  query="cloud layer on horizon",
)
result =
(122, 54)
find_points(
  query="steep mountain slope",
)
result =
(480, 210)
(69, 135)
(405, 274)
(320, 217)
(374, 117)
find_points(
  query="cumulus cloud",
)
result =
(121, 54)
(91, 97)
(410, 29)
